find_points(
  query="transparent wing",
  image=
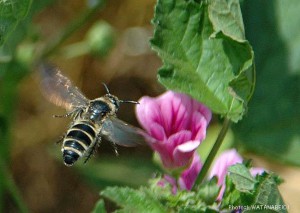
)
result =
(122, 133)
(59, 90)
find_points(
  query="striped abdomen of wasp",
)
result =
(92, 119)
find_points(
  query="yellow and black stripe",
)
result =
(79, 139)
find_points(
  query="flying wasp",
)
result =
(92, 119)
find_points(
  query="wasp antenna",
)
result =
(131, 102)
(106, 88)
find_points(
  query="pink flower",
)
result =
(221, 165)
(188, 176)
(175, 125)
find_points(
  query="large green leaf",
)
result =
(11, 12)
(272, 126)
(203, 57)
(259, 194)
(268, 195)
(134, 200)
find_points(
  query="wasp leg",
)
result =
(93, 149)
(63, 116)
(75, 113)
(115, 148)
(60, 140)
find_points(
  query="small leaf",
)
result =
(241, 177)
(100, 207)
(208, 65)
(133, 200)
(240, 186)
(231, 195)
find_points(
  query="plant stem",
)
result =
(213, 152)
(73, 27)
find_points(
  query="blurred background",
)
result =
(93, 42)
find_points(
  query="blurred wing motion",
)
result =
(121, 133)
(59, 90)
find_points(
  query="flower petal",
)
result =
(183, 153)
(226, 159)
(188, 146)
(166, 148)
(220, 167)
(176, 125)
(148, 111)
(256, 171)
(199, 126)
(179, 137)
(157, 131)
(204, 110)
(166, 108)
(189, 176)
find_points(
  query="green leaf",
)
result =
(240, 186)
(209, 191)
(272, 126)
(226, 16)
(231, 196)
(11, 12)
(268, 195)
(133, 200)
(259, 194)
(201, 58)
(99, 207)
(241, 177)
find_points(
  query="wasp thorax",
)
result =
(97, 110)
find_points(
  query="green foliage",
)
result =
(11, 13)
(203, 57)
(272, 125)
(15, 22)
(100, 207)
(16, 60)
(241, 178)
(208, 191)
(259, 194)
(242, 191)
(227, 18)
(133, 200)
(157, 198)
(205, 54)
